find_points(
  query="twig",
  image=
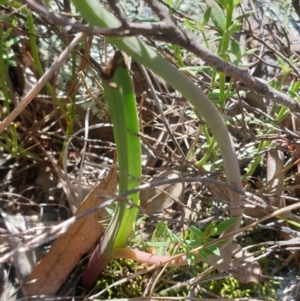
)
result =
(126, 29)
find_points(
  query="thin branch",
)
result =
(48, 13)
(126, 29)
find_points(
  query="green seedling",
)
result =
(196, 237)
(119, 93)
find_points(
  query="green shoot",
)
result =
(119, 93)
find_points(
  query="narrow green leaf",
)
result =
(203, 254)
(217, 16)
(119, 93)
(235, 48)
(198, 233)
(212, 250)
(176, 5)
(234, 27)
(190, 24)
(226, 225)
(236, 3)
(206, 16)
(210, 228)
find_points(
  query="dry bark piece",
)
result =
(54, 268)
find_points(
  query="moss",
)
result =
(231, 288)
(119, 269)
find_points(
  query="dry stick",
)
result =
(127, 29)
(41, 82)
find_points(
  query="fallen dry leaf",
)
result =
(54, 268)
(156, 199)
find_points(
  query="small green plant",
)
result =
(195, 238)
(165, 241)
(119, 93)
